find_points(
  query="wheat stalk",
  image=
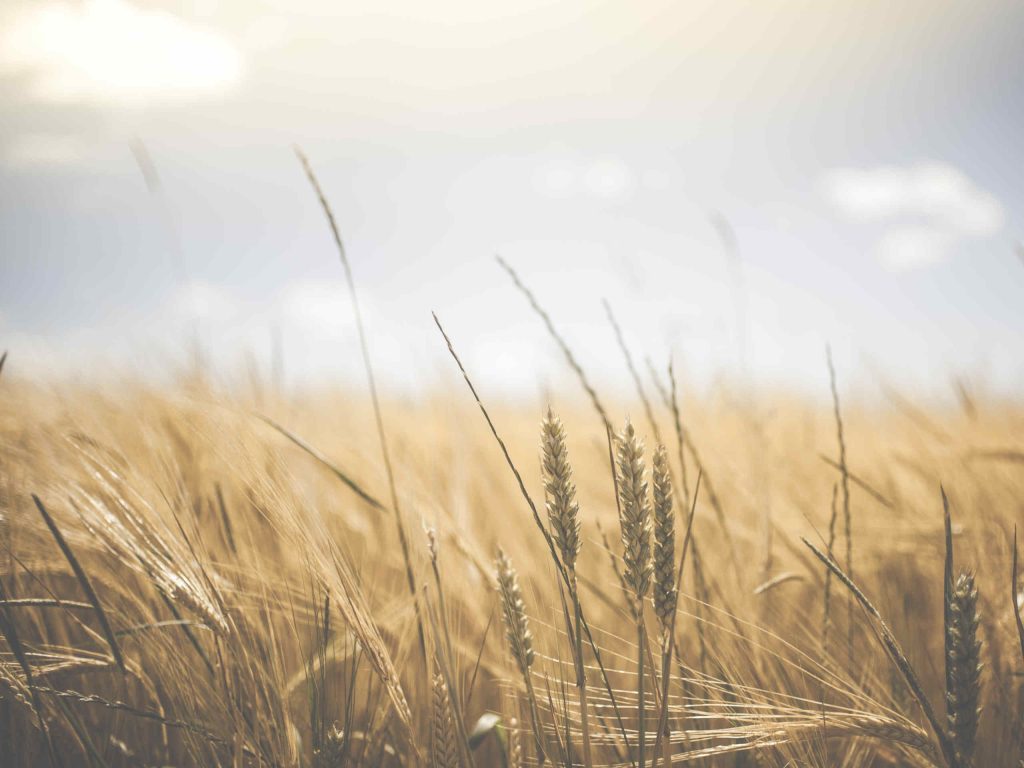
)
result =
(403, 538)
(845, 476)
(83, 580)
(826, 618)
(569, 357)
(537, 520)
(447, 658)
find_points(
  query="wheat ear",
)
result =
(635, 516)
(564, 518)
(964, 681)
(635, 522)
(520, 639)
(515, 745)
(560, 490)
(664, 540)
(443, 750)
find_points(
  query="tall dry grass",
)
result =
(194, 576)
(194, 588)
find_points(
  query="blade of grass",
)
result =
(403, 538)
(479, 656)
(82, 734)
(845, 486)
(896, 654)
(458, 711)
(225, 519)
(186, 628)
(324, 461)
(9, 630)
(1013, 597)
(826, 615)
(677, 421)
(508, 458)
(637, 382)
(83, 580)
(134, 630)
(947, 593)
(444, 661)
(859, 482)
(569, 357)
(143, 714)
(44, 602)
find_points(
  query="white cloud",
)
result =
(932, 207)
(607, 178)
(933, 191)
(112, 51)
(908, 248)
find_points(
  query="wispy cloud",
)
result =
(610, 179)
(111, 51)
(904, 249)
(928, 209)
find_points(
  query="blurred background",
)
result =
(743, 182)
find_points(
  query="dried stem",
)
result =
(403, 538)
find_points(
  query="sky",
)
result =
(742, 182)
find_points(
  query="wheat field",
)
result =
(196, 575)
(200, 574)
(669, 411)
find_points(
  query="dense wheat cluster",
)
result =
(196, 577)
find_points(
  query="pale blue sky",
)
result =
(867, 158)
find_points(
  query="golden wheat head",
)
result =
(560, 490)
(635, 514)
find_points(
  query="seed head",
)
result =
(517, 625)
(443, 750)
(515, 744)
(559, 490)
(635, 515)
(964, 683)
(664, 539)
(431, 543)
